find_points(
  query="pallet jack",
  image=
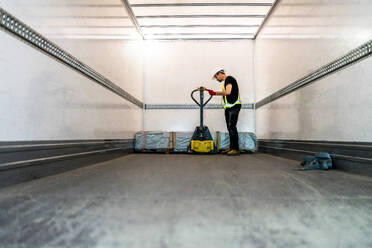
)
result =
(202, 141)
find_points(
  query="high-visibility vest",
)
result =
(225, 103)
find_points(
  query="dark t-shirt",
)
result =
(233, 97)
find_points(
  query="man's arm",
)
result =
(225, 92)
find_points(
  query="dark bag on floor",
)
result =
(321, 161)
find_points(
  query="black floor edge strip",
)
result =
(25, 161)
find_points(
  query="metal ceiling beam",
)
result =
(167, 34)
(197, 4)
(133, 17)
(211, 39)
(275, 4)
(201, 26)
(201, 16)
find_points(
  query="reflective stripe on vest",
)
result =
(225, 103)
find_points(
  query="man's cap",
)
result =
(217, 70)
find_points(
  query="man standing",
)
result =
(232, 106)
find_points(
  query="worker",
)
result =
(231, 104)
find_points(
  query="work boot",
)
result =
(233, 153)
(226, 151)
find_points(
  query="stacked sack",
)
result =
(180, 141)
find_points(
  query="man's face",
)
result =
(219, 77)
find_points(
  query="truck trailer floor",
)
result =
(154, 200)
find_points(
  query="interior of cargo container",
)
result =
(117, 128)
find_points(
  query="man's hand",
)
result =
(212, 93)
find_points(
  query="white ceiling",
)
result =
(156, 19)
(207, 19)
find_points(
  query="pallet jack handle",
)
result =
(201, 104)
(201, 97)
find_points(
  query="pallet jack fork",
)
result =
(202, 141)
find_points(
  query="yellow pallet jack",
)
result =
(202, 141)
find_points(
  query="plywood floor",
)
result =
(150, 200)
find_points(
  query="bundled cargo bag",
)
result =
(321, 161)
(152, 141)
(162, 141)
(182, 141)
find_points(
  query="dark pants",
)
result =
(231, 116)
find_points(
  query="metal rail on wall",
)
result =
(351, 57)
(23, 32)
(191, 106)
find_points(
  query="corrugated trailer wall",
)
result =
(65, 95)
(52, 101)
(332, 113)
